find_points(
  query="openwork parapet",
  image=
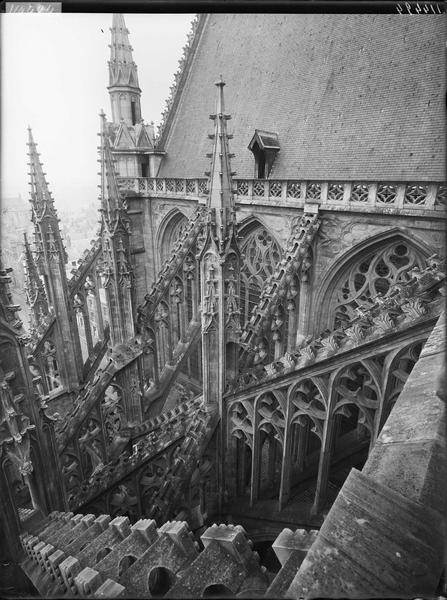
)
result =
(336, 195)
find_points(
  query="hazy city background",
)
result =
(54, 77)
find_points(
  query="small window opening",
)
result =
(134, 112)
(144, 168)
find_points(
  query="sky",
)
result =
(54, 77)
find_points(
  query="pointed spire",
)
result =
(43, 206)
(123, 77)
(110, 195)
(35, 292)
(41, 199)
(220, 176)
(120, 48)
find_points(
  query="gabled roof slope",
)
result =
(350, 96)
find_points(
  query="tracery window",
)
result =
(370, 275)
(173, 232)
(262, 254)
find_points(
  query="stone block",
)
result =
(55, 560)
(88, 520)
(76, 519)
(31, 542)
(110, 589)
(146, 528)
(69, 568)
(289, 541)
(103, 521)
(87, 582)
(44, 554)
(178, 532)
(36, 551)
(27, 544)
(121, 525)
(23, 540)
(232, 538)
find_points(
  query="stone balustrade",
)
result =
(190, 188)
(355, 195)
(375, 195)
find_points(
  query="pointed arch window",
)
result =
(262, 254)
(172, 234)
(370, 274)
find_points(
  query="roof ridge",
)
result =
(180, 77)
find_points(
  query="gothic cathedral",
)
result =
(239, 391)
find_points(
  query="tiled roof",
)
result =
(350, 96)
